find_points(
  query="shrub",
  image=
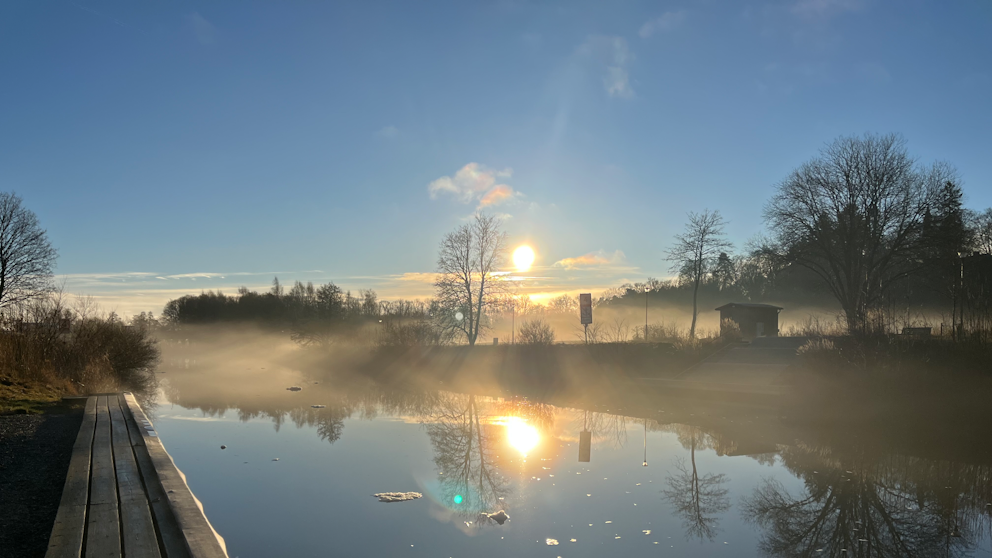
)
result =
(536, 332)
(822, 355)
(730, 331)
(49, 343)
(409, 334)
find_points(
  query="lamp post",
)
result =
(513, 319)
(645, 441)
(645, 314)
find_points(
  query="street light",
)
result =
(513, 319)
(645, 441)
(645, 314)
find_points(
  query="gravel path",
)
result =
(34, 458)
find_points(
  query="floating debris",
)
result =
(223, 447)
(275, 459)
(571, 540)
(609, 522)
(499, 517)
(397, 496)
(294, 388)
(646, 531)
(319, 406)
(551, 542)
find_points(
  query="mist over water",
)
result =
(721, 477)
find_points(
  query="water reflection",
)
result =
(820, 496)
(522, 436)
(699, 499)
(860, 504)
(464, 453)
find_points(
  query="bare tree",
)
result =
(981, 229)
(469, 283)
(26, 257)
(699, 499)
(853, 216)
(696, 253)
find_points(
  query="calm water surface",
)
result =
(720, 482)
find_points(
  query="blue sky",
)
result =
(212, 144)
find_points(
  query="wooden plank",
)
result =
(66, 539)
(171, 539)
(103, 533)
(202, 541)
(137, 530)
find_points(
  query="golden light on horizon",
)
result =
(523, 257)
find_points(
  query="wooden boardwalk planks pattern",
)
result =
(124, 496)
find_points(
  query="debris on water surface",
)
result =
(499, 517)
(646, 531)
(551, 542)
(571, 540)
(319, 406)
(275, 459)
(294, 388)
(609, 522)
(397, 496)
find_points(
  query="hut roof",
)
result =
(747, 305)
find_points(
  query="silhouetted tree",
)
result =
(854, 505)
(696, 252)
(468, 282)
(26, 257)
(980, 225)
(464, 454)
(698, 499)
(853, 216)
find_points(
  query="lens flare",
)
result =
(523, 258)
(522, 436)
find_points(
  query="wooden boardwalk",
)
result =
(123, 495)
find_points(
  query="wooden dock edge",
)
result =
(200, 538)
(69, 529)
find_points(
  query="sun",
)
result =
(523, 257)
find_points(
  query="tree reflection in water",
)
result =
(698, 499)
(464, 453)
(860, 505)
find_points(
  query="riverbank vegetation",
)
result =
(50, 349)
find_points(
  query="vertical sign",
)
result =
(585, 308)
(585, 446)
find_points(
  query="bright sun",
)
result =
(523, 257)
(522, 436)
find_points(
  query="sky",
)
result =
(172, 147)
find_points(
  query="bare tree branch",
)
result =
(26, 257)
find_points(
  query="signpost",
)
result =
(585, 312)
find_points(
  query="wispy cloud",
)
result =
(498, 194)
(203, 30)
(593, 259)
(614, 56)
(475, 182)
(665, 22)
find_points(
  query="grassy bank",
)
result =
(48, 351)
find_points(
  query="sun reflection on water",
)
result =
(522, 436)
